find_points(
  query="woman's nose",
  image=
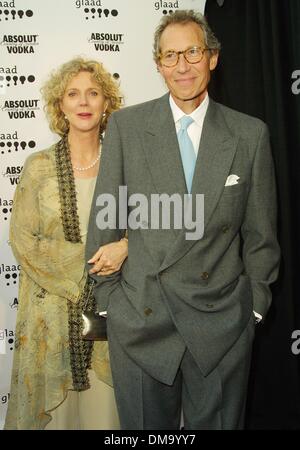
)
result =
(83, 99)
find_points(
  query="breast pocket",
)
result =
(234, 190)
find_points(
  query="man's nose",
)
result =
(182, 65)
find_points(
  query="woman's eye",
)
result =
(94, 93)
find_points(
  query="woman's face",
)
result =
(83, 103)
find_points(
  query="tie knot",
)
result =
(185, 122)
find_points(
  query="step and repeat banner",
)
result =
(36, 36)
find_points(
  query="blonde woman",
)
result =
(60, 381)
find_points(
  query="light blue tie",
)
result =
(187, 151)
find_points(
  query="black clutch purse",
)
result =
(94, 325)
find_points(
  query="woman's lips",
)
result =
(84, 115)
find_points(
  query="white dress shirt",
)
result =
(195, 129)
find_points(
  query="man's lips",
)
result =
(185, 80)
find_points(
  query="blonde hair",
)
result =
(54, 89)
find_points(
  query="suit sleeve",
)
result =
(110, 177)
(261, 254)
(53, 265)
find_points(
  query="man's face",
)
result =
(186, 82)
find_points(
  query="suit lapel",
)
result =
(216, 152)
(163, 154)
(162, 150)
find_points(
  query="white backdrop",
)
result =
(35, 37)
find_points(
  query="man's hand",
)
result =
(109, 258)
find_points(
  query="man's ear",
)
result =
(213, 61)
(159, 68)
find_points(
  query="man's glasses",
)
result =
(192, 55)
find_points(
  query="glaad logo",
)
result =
(296, 83)
(107, 42)
(5, 207)
(22, 43)
(13, 174)
(10, 78)
(10, 273)
(2, 346)
(160, 5)
(21, 109)
(7, 335)
(95, 13)
(296, 345)
(13, 79)
(13, 14)
(4, 397)
(154, 215)
(10, 142)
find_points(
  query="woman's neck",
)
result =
(84, 150)
(83, 146)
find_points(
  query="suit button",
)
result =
(148, 311)
(204, 276)
(225, 229)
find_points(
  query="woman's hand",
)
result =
(109, 258)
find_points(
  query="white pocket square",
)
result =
(231, 180)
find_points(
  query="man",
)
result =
(182, 311)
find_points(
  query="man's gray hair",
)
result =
(183, 16)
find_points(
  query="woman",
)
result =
(52, 376)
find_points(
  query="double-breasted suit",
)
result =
(174, 295)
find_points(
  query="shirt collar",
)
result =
(197, 115)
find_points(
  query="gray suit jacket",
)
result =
(174, 293)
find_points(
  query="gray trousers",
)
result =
(214, 402)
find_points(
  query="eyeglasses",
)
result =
(192, 55)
